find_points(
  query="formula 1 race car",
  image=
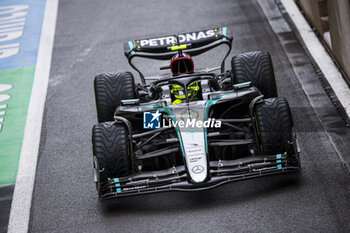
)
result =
(190, 129)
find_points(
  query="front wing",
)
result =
(221, 172)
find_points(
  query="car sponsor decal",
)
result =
(179, 39)
(176, 42)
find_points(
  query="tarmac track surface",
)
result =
(88, 41)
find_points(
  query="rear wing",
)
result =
(165, 47)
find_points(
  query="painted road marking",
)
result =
(3, 98)
(9, 50)
(26, 38)
(22, 197)
(12, 22)
(21, 23)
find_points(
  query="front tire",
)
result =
(255, 67)
(274, 126)
(111, 152)
(110, 89)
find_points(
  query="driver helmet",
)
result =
(178, 94)
(181, 63)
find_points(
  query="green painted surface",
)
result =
(14, 119)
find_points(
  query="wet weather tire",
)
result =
(257, 68)
(274, 126)
(111, 151)
(110, 89)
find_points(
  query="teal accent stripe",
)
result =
(129, 100)
(279, 161)
(117, 182)
(279, 166)
(150, 106)
(243, 84)
(131, 46)
(278, 156)
(119, 190)
(224, 31)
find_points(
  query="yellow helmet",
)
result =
(178, 93)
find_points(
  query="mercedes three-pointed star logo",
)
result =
(197, 169)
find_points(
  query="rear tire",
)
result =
(275, 126)
(111, 151)
(110, 89)
(257, 68)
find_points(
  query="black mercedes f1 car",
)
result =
(190, 129)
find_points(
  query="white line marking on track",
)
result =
(22, 197)
(320, 55)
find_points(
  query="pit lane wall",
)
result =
(20, 30)
(331, 18)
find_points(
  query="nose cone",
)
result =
(192, 137)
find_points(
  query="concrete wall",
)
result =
(339, 27)
(331, 17)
